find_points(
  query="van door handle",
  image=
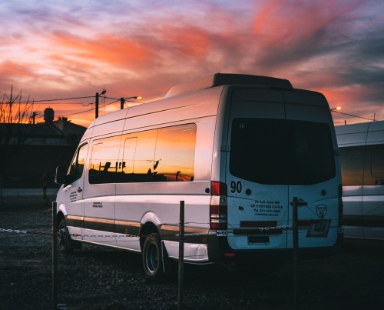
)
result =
(79, 190)
(299, 202)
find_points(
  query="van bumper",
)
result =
(221, 251)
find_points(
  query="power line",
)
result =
(79, 112)
(370, 119)
(91, 109)
(48, 100)
(110, 103)
(52, 101)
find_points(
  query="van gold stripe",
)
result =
(127, 227)
(99, 224)
(170, 232)
(74, 220)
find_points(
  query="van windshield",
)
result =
(275, 151)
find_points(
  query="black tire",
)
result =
(64, 240)
(152, 257)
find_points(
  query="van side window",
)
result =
(352, 163)
(103, 163)
(137, 157)
(160, 155)
(377, 163)
(175, 153)
(129, 151)
(77, 166)
(374, 165)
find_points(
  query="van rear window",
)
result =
(275, 151)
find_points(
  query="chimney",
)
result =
(49, 115)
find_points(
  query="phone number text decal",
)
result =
(267, 207)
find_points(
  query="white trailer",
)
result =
(362, 164)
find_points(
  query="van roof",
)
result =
(219, 79)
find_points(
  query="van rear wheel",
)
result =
(152, 258)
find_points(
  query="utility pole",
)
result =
(97, 106)
(122, 101)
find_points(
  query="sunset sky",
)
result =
(67, 49)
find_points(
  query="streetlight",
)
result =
(337, 108)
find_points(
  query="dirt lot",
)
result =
(102, 278)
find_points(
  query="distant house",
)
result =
(46, 145)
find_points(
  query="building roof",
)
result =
(60, 132)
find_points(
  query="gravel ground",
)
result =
(102, 278)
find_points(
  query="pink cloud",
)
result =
(280, 22)
(106, 48)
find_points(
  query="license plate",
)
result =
(257, 239)
(318, 229)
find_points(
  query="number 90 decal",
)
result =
(236, 187)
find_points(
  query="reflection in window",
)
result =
(159, 155)
(138, 156)
(174, 156)
(129, 155)
(275, 151)
(377, 162)
(77, 166)
(165, 154)
(144, 155)
(103, 163)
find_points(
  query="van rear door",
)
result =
(257, 196)
(281, 147)
(315, 179)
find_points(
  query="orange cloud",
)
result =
(16, 69)
(189, 41)
(106, 48)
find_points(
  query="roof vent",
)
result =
(219, 79)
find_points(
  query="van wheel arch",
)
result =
(145, 230)
(59, 217)
(65, 243)
(64, 240)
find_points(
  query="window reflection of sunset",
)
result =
(166, 152)
(175, 146)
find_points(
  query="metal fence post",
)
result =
(45, 188)
(181, 258)
(295, 232)
(54, 255)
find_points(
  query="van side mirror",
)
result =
(61, 176)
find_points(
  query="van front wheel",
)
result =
(63, 237)
(152, 258)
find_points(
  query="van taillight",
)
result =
(218, 188)
(340, 198)
(218, 206)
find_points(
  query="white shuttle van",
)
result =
(362, 165)
(235, 148)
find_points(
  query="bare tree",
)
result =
(16, 127)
